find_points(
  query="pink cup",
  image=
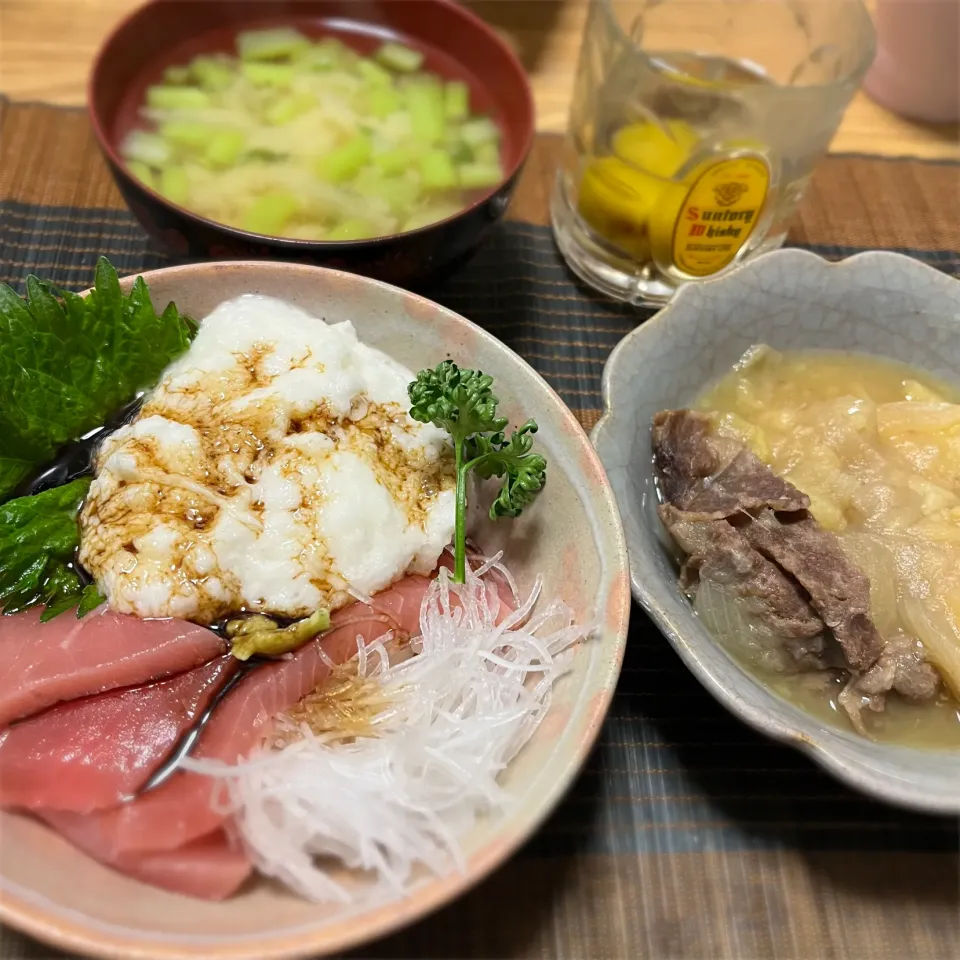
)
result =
(916, 72)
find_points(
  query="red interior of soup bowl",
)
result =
(455, 42)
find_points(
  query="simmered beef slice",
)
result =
(718, 552)
(745, 484)
(839, 591)
(914, 677)
(712, 477)
(901, 667)
(684, 453)
(745, 528)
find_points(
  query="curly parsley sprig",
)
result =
(462, 403)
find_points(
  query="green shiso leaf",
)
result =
(68, 363)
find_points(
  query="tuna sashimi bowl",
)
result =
(274, 602)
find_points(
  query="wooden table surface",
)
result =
(46, 47)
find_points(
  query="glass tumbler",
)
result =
(694, 128)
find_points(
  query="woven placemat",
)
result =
(687, 835)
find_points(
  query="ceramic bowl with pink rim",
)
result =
(571, 537)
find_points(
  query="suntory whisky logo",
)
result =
(719, 213)
(729, 193)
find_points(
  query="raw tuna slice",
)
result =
(91, 753)
(44, 663)
(190, 806)
(396, 609)
(210, 867)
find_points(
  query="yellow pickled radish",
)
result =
(663, 219)
(661, 151)
(616, 200)
(669, 151)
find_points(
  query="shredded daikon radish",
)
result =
(457, 713)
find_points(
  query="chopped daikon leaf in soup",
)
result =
(310, 140)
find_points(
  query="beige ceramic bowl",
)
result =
(572, 535)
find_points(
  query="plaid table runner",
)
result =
(687, 836)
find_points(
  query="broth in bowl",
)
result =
(338, 137)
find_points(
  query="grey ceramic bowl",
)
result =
(571, 536)
(878, 303)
